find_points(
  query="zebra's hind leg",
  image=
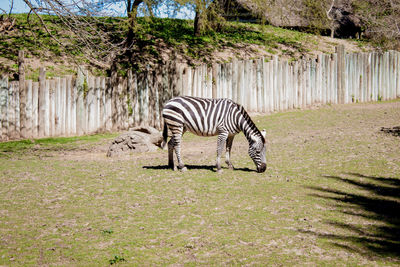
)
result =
(220, 146)
(229, 142)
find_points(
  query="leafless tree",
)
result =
(381, 18)
(84, 23)
(6, 21)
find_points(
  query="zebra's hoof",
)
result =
(183, 169)
(230, 167)
(175, 168)
(219, 171)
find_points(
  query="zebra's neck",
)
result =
(248, 127)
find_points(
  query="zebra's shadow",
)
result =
(196, 167)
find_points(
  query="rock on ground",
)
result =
(138, 139)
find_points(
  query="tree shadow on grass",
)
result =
(375, 201)
(196, 167)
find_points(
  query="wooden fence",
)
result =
(85, 104)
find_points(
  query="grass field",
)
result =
(330, 196)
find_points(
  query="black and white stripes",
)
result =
(209, 117)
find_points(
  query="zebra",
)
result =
(210, 117)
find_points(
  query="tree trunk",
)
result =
(200, 21)
(197, 23)
(132, 17)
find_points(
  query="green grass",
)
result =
(57, 143)
(179, 34)
(329, 197)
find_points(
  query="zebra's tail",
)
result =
(165, 135)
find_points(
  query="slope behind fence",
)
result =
(86, 104)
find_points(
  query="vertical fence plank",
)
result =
(393, 74)
(13, 110)
(28, 109)
(63, 93)
(240, 83)
(380, 77)
(114, 101)
(368, 77)
(47, 109)
(195, 76)
(131, 96)
(35, 109)
(341, 59)
(124, 104)
(271, 77)
(68, 96)
(189, 81)
(102, 104)
(306, 83)
(73, 106)
(253, 94)
(210, 78)
(246, 83)
(265, 76)
(295, 84)
(4, 87)
(22, 94)
(79, 100)
(91, 105)
(146, 101)
(52, 106)
(259, 85)
(58, 99)
(108, 105)
(42, 99)
(97, 84)
(275, 78)
(386, 77)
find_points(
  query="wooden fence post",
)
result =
(42, 102)
(341, 58)
(28, 108)
(214, 80)
(35, 109)
(13, 111)
(22, 93)
(79, 100)
(3, 109)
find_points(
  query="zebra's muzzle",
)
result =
(262, 167)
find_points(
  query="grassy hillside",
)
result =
(157, 41)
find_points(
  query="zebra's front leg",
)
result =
(220, 146)
(171, 145)
(229, 142)
(177, 145)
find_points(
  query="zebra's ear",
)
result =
(264, 133)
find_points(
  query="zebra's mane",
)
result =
(250, 122)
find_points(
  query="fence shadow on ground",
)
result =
(375, 230)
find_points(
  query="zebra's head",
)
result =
(257, 151)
